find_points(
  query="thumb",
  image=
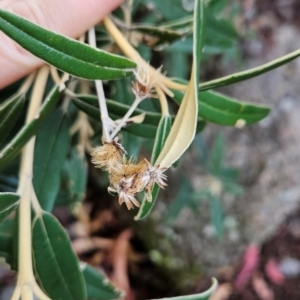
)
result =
(69, 17)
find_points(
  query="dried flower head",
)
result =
(146, 80)
(127, 178)
(152, 175)
(125, 191)
(108, 156)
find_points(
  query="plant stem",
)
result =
(163, 101)
(27, 83)
(101, 97)
(134, 105)
(130, 52)
(25, 275)
(60, 81)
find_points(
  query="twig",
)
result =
(130, 52)
(134, 105)
(101, 97)
(163, 101)
(26, 280)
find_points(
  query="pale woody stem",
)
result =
(101, 97)
(25, 276)
(134, 105)
(27, 83)
(163, 101)
(130, 52)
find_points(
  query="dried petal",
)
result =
(145, 82)
(108, 156)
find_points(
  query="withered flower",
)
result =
(127, 178)
(143, 86)
(108, 156)
(125, 191)
(152, 175)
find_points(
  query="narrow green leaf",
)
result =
(90, 106)
(181, 24)
(216, 157)
(216, 212)
(97, 285)
(9, 153)
(160, 35)
(74, 180)
(131, 143)
(15, 243)
(220, 109)
(169, 9)
(7, 104)
(7, 241)
(6, 247)
(227, 111)
(56, 264)
(142, 130)
(241, 76)
(8, 120)
(8, 203)
(203, 296)
(77, 170)
(182, 199)
(51, 147)
(119, 109)
(66, 54)
(162, 133)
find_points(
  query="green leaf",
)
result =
(8, 203)
(65, 54)
(7, 241)
(254, 72)
(221, 37)
(223, 110)
(89, 104)
(7, 104)
(144, 129)
(162, 133)
(6, 250)
(51, 147)
(203, 296)
(216, 158)
(74, 180)
(232, 187)
(118, 109)
(8, 154)
(217, 217)
(217, 5)
(10, 116)
(131, 143)
(182, 24)
(160, 35)
(56, 264)
(77, 170)
(97, 285)
(181, 200)
(169, 9)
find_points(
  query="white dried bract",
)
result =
(144, 85)
(127, 178)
